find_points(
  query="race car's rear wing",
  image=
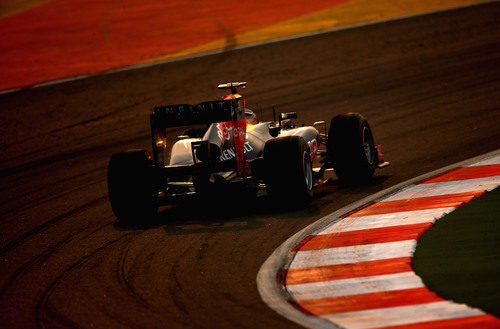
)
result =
(204, 113)
(186, 114)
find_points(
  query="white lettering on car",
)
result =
(230, 153)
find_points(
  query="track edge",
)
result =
(268, 284)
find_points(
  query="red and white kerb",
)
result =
(357, 272)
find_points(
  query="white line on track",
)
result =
(353, 254)
(387, 220)
(355, 286)
(490, 161)
(401, 315)
(442, 188)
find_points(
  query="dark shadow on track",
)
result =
(237, 213)
(230, 214)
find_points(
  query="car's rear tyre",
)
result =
(351, 148)
(288, 169)
(132, 186)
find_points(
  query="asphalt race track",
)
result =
(429, 86)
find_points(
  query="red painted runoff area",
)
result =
(466, 173)
(76, 37)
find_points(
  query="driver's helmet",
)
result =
(251, 117)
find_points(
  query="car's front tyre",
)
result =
(351, 148)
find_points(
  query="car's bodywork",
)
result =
(230, 150)
(234, 148)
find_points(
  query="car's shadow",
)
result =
(230, 213)
(335, 186)
(238, 212)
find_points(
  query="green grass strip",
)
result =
(458, 257)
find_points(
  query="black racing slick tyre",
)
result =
(131, 186)
(288, 169)
(351, 148)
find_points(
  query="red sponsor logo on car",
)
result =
(313, 148)
(224, 130)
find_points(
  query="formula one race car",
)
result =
(234, 148)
